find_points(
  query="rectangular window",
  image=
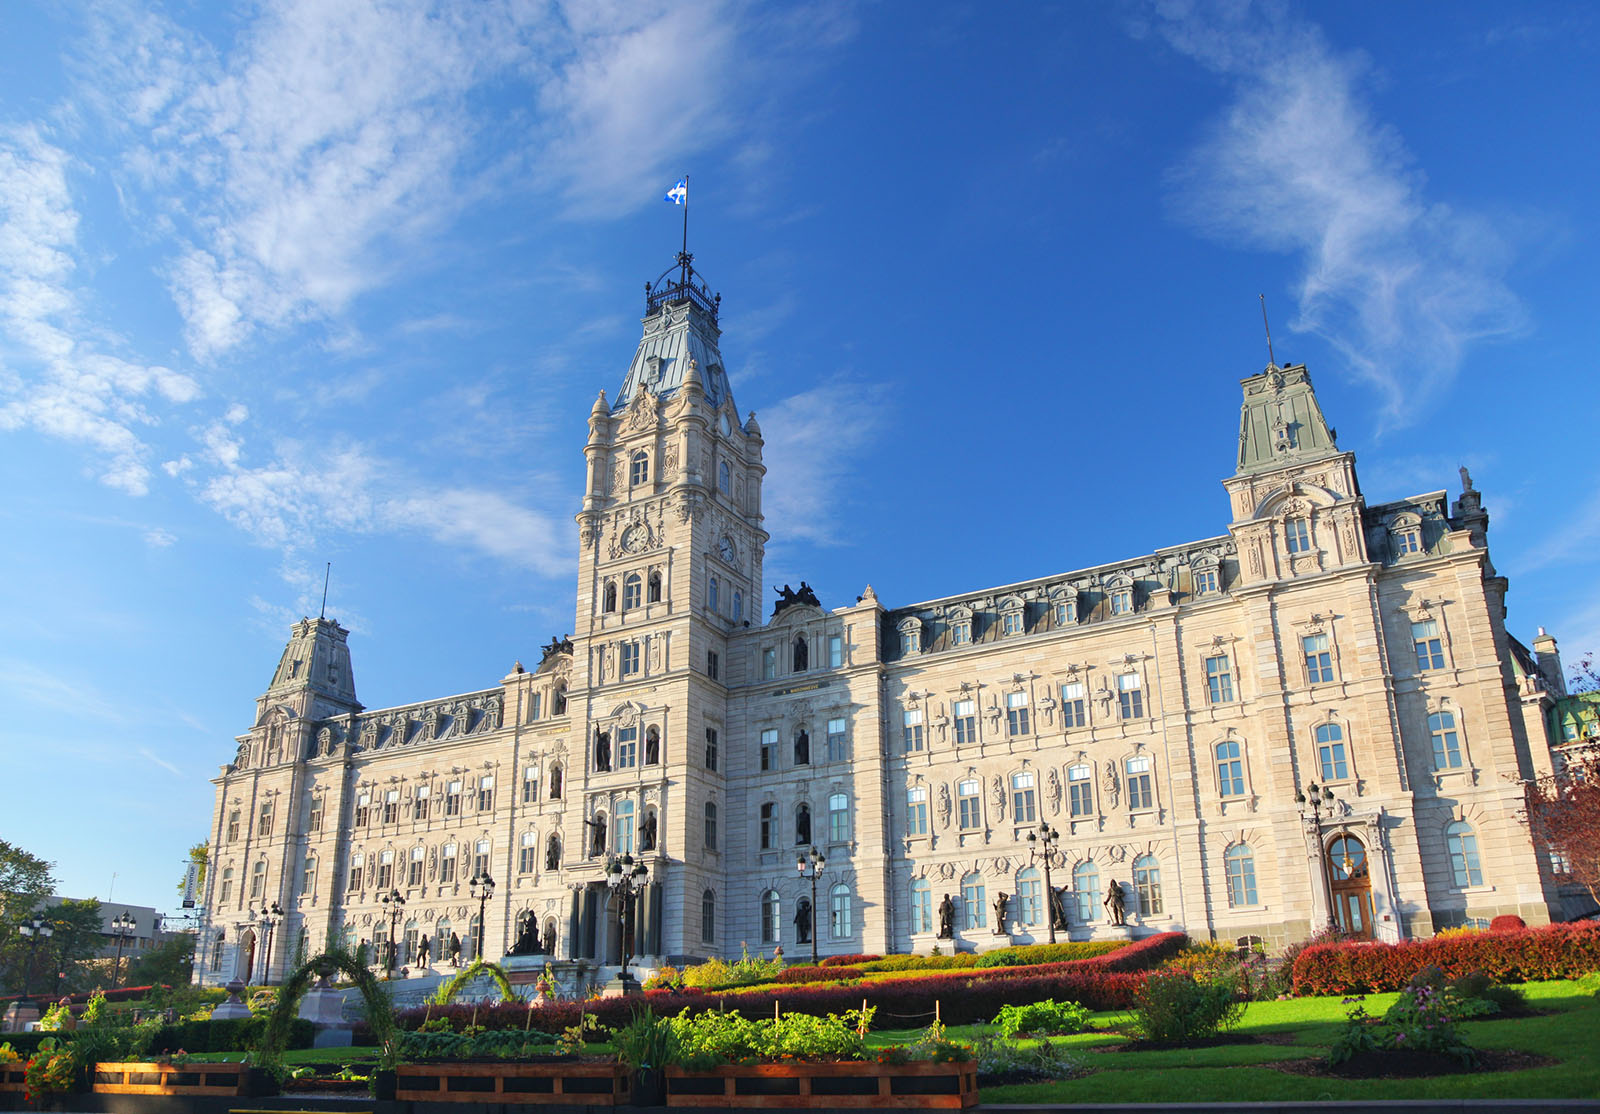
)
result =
(711, 748)
(916, 811)
(911, 723)
(769, 748)
(314, 823)
(485, 793)
(627, 747)
(533, 707)
(1140, 789)
(1219, 679)
(1030, 909)
(264, 824)
(1074, 709)
(974, 901)
(530, 787)
(1408, 541)
(1080, 790)
(1319, 659)
(1446, 744)
(1122, 601)
(1298, 533)
(233, 825)
(414, 868)
(1131, 695)
(308, 878)
(769, 826)
(1022, 799)
(969, 794)
(447, 864)
(1430, 647)
(363, 809)
(391, 806)
(838, 741)
(839, 818)
(1011, 622)
(1205, 582)
(357, 861)
(386, 870)
(835, 651)
(419, 803)
(1331, 754)
(921, 907)
(630, 658)
(528, 855)
(961, 632)
(480, 858)
(966, 716)
(1016, 713)
(452, 799)
(1066, 612)
(769, 664)
(713, 665)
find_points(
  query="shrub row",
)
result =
(1024, 955)
(847, 960)
(921, 962)
(819, 974)
(230, 1035)
(1558, 951)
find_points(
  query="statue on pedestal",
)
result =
(1116, 903)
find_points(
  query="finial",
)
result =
(1466, 480)
(1271, 359)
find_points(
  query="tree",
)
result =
(1563, 810)
(168, 964)
(25, 881)
(199, 854)
(79, 928)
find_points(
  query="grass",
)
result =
(1235, 1073)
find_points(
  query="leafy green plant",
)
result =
(54, 1018)
(1420, 1021)
(1175, 1008)
(647, 1041)
(54, 1069)
(1044, 1060)
(713, 1037)
(502, 1044)
(574, 1037)
(97, 1012)
(1048, 1016)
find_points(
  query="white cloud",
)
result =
(1399, 284)
(58, 382)
(158, 538)
(814, 442)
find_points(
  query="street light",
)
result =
(33, 931)
(268, 919)
(123, 926)
(626, 879)
(481, 886)
(1049, 837)
(395, 901)
(810, 866)
(1317, 801)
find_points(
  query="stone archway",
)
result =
(1350, 885)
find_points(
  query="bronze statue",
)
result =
(1116, 903)
(455, 950)
(947, 919)
(527, 942)
(422, 952)
(1002, 905)
(788, 597)
(802, 922)
(1058, 908)
(548, 943)
(647, 834)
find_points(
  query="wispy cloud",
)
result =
(151, 756)
(55, 379)
(815, 440)
(1399, 283)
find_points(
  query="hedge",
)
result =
(229, 1035)
(1557, 951)
(819, 974)
(1029, 954)
(846, 960)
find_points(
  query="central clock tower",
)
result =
(671, 546)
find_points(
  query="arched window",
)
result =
(1147, 881)
(802, 825)
(921, 906)
(1241, 863)
(1331, 757)
(711, 594)
(802, 654)
(1463, 845)
(258, 880)
(1230, 770)
(470, 946)
(839, 902)
(653, 592)
(555, 782)
(639, 469)
(711, 826)
(408, 942)
(708, 917)
(722, 476)
(1446, 743)
(771, 910)
(226, 894)
(838, 818)
(1086, 891)
(738, 606)
(974, 901)
(632, 588)
(609, 597)
(524, 923)
(1030, 903)
(624, 836)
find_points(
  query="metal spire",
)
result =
(1271, 359)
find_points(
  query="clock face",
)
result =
(633, 539)
(725, 547)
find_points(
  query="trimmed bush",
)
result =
(229, 1035)
(921, 962)
(1026, 955)
(1507, 922)
(819, 974)
(1558, 951)
(847, 960)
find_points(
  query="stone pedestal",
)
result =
(19, 1015)
(323, 1006)
(622, 986)
(523, 970)
(233, 1007)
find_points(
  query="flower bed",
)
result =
(1558, 951)
(845, 1085)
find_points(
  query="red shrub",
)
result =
(1557, 951)
(1507, 922)
(846, 960)
(819, 974)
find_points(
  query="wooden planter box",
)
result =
(572, 1084)
(233, 1080)
(839, 1085)
(11, 1077)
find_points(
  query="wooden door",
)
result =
(1351, 885)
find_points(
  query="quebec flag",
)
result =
(679, 194)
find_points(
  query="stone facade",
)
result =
(1165, 717)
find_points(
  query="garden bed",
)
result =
(839, 1085)
(11, 1077)
(568, 1082)
(1376, 1064)
(179, 1079)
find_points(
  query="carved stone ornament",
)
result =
(1054, 783)
(642, 412)
(947, 871)
(1002, 864)
(944, 806)
(1110, 783)
(669, 465)
(997, 790)
(1117, 853)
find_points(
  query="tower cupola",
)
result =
(680, 328)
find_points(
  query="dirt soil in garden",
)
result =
(1404, 1065)
(1209, 1042)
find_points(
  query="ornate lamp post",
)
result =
(481, 886)
(394, 901)
(626, 878)
(1047, 838)
(1316, 803)
(32, 931)
(123, 926)
(268, 919)
(810, 865)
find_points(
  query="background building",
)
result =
(1317, 714)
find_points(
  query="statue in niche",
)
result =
(802, 921)
(652, 746)
(1058, 908)
(602, 751)
(1002, 909)
(1116, 903)
(597, 846)
(1110, 783)
(944, 805)
(555, 783)
(548, 943)
(997, 793)
(552, 854)
(802, 825)
(647, 834)
(1054, 782)
(947, 919)
(802, 748)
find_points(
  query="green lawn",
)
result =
(1233, 1073)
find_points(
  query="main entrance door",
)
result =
(1351, 886)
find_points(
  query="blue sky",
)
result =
(294, 282)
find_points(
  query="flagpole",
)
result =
(684, 275)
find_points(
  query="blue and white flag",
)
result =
(679, 194)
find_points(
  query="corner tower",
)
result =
(671, 548)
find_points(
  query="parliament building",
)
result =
(1315, 716)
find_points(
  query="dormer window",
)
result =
(1122, 601)
(1205, 582)
(1066, 612)
(1407, 539)
(911, 636)
(961, 632)
(1297, 531)
(1011, 622)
